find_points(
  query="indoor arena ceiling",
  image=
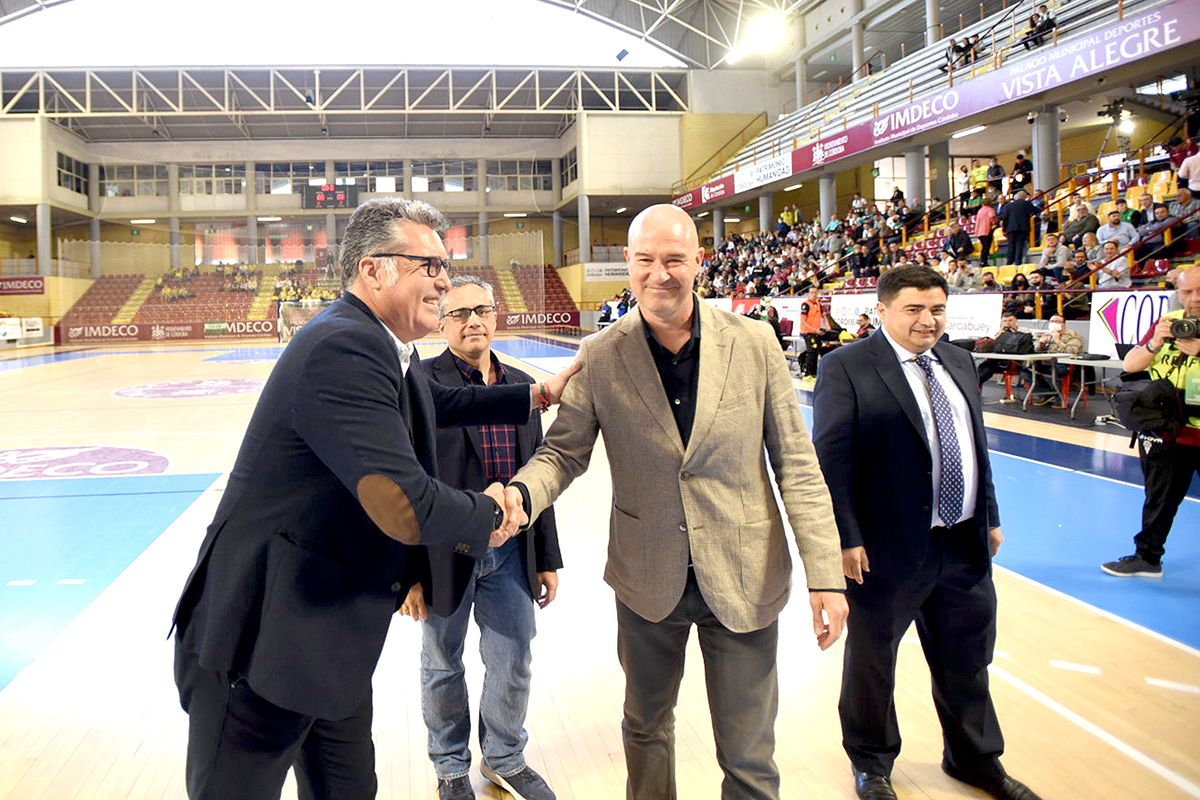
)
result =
(698, 32)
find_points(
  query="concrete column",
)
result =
(940, 179)
(766, 212)
(484, 251)
(252, 253)
(556, 179)
(857, 55)
(1047, 161)
(801, 81)
(94, 241)
(175, 242)
(931, 22)
(585, 228)
(173, 187)
(43, 239)
(481, 169)
(718, 216)
(557, 219)
(94, 198)
(330, 171)
(251, 204)
(408, 190)
(331, 234)
(914, 170)
(827, 191)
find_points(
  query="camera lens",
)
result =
(1185, 328)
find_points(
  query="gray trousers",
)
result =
(743, 699)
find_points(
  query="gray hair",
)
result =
(373, 225)
(465, 280)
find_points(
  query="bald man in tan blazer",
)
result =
(689, 398)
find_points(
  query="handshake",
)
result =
(513, 504)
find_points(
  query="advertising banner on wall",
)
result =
(1073, 59)
(708, 193)
(968, 316)
(1124, 318)
(32, 284)
(762, 173)
(537, 320)
(605, 273)
(169, 331)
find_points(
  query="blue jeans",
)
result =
(499, 592)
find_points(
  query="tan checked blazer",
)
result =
(717, 493)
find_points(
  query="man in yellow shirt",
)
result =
(1168, 463)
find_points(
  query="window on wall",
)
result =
(134, 180)
(287, 177)
(370, 176)
(212, 178)
(893, 173)
(445, 176)
(570, 166)
(72, 174)
(516, 176)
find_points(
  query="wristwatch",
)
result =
(1152, 350)
(497, 515)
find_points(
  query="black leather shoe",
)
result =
(1006, 788)
(872, 786)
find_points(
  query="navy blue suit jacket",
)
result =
(296, 580)
(460, 461)
(876, 459)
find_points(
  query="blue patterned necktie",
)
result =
(950, 488)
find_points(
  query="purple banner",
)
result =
(1074, 59)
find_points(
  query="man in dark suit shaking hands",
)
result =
(283, 618)
(899, 433)
(501, 587)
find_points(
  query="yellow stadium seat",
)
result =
(1005, 274)
(1134, 194)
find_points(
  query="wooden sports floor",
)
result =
(112, 461)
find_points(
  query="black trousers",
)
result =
(1018, 243)
(953, 601)
(241, 746)
(812, 351)
(1168, 470)
(743, 698)
(985, 249)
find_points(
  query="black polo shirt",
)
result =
(680, 373)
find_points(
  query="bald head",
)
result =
(662, 218)
(1187, 287)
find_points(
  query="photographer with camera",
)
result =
(1170, 351)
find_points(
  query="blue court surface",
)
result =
(63, 542)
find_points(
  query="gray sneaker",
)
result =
(455, 788)
(524, 784)
(1133, 566)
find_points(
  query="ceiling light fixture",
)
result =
(733, 219)
(516, 215)
(968, 131)
(269, 219)
(793, 187)
(622, 210)
(142, 221)
(19, 220)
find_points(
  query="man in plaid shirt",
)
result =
(502, 587)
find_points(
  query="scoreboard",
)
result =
(330, 196)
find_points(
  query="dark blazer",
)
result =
(873, 451)
(296, 580)
(1015, 216)
(460, 459)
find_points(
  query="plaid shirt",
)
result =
(499, 441)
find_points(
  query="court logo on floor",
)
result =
(195, 388)
(79, 462)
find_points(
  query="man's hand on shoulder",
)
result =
(551, 391)
(828, 626)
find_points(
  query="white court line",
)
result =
(1167, 774)
(1107, 614)
(1087, 669)
(1137, 486)
(1179, 687)
(72, 581)
(21, 583)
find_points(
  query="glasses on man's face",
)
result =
(461, 315)
(433, 264)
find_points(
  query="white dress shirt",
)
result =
(403, 349)
(962, 425)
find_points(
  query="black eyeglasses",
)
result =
(433, 264)
(464, 314)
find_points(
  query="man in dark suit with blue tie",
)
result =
(283, 618)
(899, 432)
